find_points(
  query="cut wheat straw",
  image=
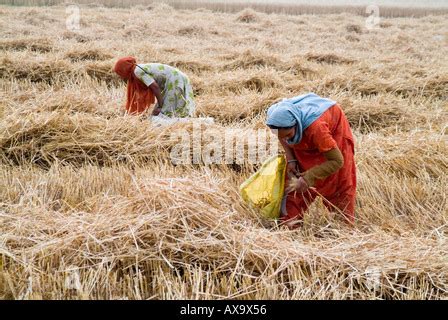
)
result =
(92, 207)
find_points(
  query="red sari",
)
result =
(331, 129)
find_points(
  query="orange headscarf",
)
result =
(139, 96)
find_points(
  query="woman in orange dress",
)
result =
(319, 149)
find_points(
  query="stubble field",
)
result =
(91, 206)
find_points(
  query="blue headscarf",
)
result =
(300, 111)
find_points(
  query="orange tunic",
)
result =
(331, 129)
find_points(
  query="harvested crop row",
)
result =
(161, 223)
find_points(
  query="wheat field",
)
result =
(91, 206)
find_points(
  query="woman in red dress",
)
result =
(319, 149)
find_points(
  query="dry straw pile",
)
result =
(92, 207)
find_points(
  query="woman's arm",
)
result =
(156, 90)
(335, 161)
(288, 150)
(322, 138)
(290, 164)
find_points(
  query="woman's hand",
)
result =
(297, 184)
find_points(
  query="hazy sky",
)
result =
(401, 3)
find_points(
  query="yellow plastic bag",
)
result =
(265, 188)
